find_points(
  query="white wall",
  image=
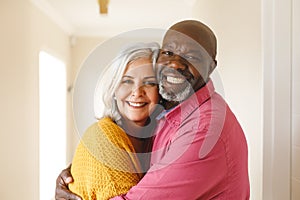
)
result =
(237, 24)
(24, 32)
(80, 50)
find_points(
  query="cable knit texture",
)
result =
(104, 164)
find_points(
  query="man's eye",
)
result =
(191, 58)
(168, 53)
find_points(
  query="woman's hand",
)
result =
(62, 191)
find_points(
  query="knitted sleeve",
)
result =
(104, 164)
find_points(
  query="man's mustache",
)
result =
(167, 70)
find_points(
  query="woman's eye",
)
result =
(127, 81)
(151, 83)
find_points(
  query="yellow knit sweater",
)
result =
(104, 164)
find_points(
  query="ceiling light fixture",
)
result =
(103, 4)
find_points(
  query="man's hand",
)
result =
(62, 191)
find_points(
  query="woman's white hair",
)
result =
(104, 102)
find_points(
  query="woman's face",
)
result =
(137, 94)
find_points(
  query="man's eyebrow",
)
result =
(194, 51)
(169, 45)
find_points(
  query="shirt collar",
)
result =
(185, 108)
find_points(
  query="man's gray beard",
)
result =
(179, 97)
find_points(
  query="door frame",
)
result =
(277, 99)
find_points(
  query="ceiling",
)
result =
(82, 17)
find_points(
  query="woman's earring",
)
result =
(115, 98)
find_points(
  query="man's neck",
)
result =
(169, 104)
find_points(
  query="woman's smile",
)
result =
(137, 104)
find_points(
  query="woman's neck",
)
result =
(138, 135)
(132, 128)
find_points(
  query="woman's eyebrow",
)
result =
(127, 76)
(147, 77)
(150, 77)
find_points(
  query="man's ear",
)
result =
(212, 66)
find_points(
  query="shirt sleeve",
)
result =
(182, 173)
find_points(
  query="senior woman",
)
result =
(113, 152)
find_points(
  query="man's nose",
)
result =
(177, 63)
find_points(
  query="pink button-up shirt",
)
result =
(199, 152)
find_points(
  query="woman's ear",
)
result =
(114, 97)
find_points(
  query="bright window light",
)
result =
(52, 146)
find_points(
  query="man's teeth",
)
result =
(136, 104)
(175, 80)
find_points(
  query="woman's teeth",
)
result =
(175, 80)
(134, 104)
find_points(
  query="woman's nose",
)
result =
(138, 90)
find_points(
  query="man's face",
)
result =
(183, 67)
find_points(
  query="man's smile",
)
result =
(174, 77)
(174, 80)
